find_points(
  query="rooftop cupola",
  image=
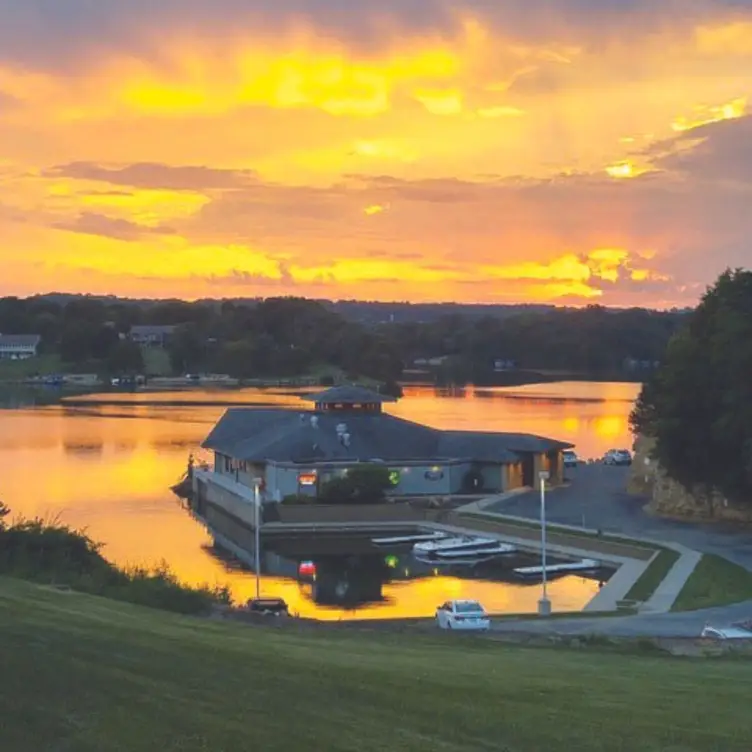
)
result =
(349, 399)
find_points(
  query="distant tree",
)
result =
(239, 359)
(363, 484)
(698, 406)
(188, 350)
(125, 358)
(77, 340)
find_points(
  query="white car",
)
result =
(570, 458)
(620, 457)
(732, 632)
(462, 615)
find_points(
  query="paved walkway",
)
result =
(596, 500)
(668, 591)
(630, 570)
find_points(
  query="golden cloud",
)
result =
(450, 112)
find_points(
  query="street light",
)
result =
(257, 533)
(544, 605)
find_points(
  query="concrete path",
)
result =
(596, 499)
(629, 570)
(668, 591)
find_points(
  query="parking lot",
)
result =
(596, 498)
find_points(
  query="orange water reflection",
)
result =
(108, 468)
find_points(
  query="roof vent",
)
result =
(314, 421)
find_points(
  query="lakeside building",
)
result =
(151, 336)
(19, 346)
(295, 453)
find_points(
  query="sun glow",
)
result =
(466, 160)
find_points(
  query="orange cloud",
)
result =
(517, 157)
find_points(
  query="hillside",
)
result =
(82, 673)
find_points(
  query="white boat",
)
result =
(570, 566)
(497, 550)
(454, 544)
(396, 540)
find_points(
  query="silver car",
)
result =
(620, 457)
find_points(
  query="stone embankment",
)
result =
(668, 498)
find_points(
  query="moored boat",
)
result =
(458, 543)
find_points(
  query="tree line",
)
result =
(289, 337)
(697, 407)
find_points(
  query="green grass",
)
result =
(156, 361)
(714, 582)
(42, 365)
(86, 674)
(553, 527)
(653, 576)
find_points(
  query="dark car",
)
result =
(268, 606)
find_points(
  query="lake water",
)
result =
(108, 468)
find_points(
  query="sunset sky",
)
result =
(568, 151)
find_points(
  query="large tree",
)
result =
(698, 406)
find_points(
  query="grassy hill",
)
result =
(83, 673)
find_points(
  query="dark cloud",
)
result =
(90, 223)
(54, 32)
(724, 152)
(152, 175)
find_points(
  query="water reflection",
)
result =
(394, 584)
(120, 491)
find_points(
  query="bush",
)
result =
(55, 553)
(363, 484)
(292, 499)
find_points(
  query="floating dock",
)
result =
(400, 539)
(584, 565)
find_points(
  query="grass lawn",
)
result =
(715, 582)
(42, 365)
(653, 575)
(156, 361)
(90, 675)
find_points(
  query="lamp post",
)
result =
(544, 605)
(257, 533)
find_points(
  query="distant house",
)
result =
(151, 336)
(295, 452)
(18, 346)
(435, 361)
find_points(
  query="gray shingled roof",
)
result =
(287, 436)
(514, 442)
(349, 394)
(20, 340)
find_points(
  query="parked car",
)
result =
(732, 632)
(464, 614)
(268, 606)
(570, 458)
(617, 457)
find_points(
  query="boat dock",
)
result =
(584, 565)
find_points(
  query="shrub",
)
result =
(292, 499)
(363, 484)
(56, 553)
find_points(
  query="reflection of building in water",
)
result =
(346, 581)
